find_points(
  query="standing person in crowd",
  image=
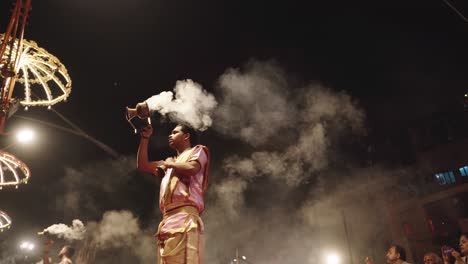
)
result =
(460, 257)
(432, 258)
(65, 254)
(395, 255)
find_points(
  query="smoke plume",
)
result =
(117, 237)
(271, 222)
(189, 103)
(74, 232)
(281, 198)
(298, 125)
(278, 200)
(254, 100)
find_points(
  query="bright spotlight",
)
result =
(332, 258)
(27, 246)
(244, 257)
(25, 136)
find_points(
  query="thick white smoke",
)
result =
(293, 130)
(74, 232)
(231, 192)
(275, 223)
(254, 101)
(189, 103)
(257, 102)
(297, 125)
(272, 201)
(118, 230)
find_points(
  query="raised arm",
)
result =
(143, 163)
(45, 256)
(458, 257)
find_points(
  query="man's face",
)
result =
(464, 245)
(392, 256)
(177, 137)
(429, 260)
(62, 252)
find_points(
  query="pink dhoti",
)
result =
(181, 244)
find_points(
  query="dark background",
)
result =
(402, 60)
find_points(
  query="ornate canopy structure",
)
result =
(12, 171)
(5, 221)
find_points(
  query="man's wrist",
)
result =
(144, 137)
(161, 170)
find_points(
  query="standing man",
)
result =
(462, 256)
(395, 255)
(184, 181)
(65, 254)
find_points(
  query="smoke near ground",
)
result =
(189, 103)
(117, 238)
(269, 221)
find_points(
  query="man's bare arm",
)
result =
(45, 256)
(143, 163)
(183, 168)
(45, 259)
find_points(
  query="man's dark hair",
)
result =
(464, 234)
(70, 251)
(193, 133)
(399, 250)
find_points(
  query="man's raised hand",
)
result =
(146, 132)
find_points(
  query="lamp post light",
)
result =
(25, 136)
(244, 258)
(27, 249)
(27, 246)
(332, 258)
(238, 259)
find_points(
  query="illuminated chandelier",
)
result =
(5, 221)
(44, 78)
(13, 171)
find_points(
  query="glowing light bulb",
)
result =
(332, 258)
(25, 136)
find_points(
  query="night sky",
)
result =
(400, 60)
